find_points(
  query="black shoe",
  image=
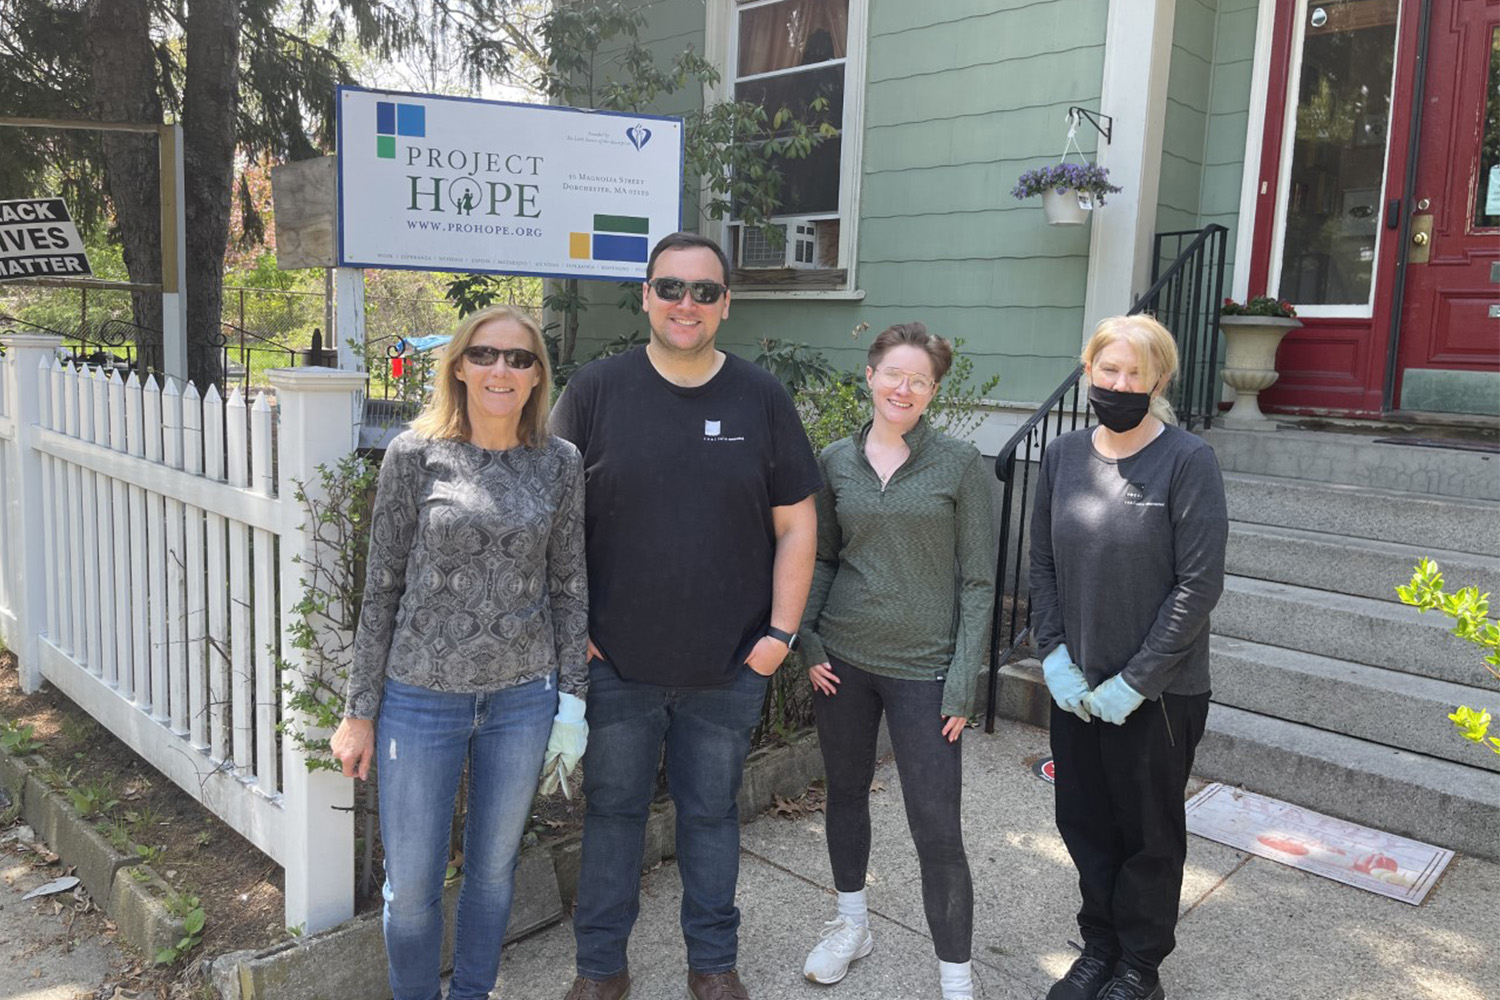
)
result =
(1131, 985)
(1083, 980)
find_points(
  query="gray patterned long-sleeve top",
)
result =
(476, 577)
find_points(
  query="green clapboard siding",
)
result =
(961, 97)
(1208, 100)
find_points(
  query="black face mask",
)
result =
(1119, 411)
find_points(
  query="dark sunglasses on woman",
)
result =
(705, 293)
(515, 357)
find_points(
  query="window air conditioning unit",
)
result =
(799, 247)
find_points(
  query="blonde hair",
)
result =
(446, 414)
(1154, 347)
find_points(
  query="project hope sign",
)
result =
(454, 184)
(39, 240)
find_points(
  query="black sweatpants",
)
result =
(931, 772)
(1120, 811)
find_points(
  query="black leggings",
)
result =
(931, 783)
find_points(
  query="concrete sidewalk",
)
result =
(1251, 929)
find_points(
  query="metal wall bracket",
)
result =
(1104, 123)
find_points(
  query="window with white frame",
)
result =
(791, 53)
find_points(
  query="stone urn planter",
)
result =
(1066, 207)
(1250, 365)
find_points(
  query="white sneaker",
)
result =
(843, 942)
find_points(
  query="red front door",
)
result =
(1330, 209)
(1450, 323)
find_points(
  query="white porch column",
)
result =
(316, 430)
(1137, 56)
(25, 356)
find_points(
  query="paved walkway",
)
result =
(47, 950)
(1251, 929)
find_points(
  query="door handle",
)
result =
(1420, 239)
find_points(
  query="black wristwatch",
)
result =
(790, 638)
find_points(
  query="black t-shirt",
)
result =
(679, 486)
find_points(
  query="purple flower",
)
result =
(1089, 177)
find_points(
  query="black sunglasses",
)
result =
(515, 357)
(705, 293)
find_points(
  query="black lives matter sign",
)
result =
(38, 240)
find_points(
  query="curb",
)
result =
(133, 895)
(349, 960)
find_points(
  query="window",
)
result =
(790, 53)
(1334, 165)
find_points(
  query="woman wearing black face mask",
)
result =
(1127, 561)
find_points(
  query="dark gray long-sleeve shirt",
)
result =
(476, 577)
(1127, 559)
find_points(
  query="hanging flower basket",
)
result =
(1069, 190)
(1065, 207)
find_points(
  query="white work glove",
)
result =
(1114, 700)
(570, 735)
(1066, 682)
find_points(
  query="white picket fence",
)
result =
(149, 565)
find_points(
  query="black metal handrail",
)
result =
(1185, 298)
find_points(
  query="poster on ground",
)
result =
(1369, 859)
(455, 184)
(39, 240)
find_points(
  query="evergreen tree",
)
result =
(258, 76)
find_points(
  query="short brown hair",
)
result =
(446, 414)
(939, 351)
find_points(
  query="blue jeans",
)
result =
(423, 737)
(706, 732)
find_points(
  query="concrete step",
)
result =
(1369, 703)
(1358, 460)
(1358, 629)
(1435, 801)
(1347, 565)
(1428, 522)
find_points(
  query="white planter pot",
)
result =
(1250, 365)
(1065, 208)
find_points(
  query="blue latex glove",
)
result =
(1066, 682)
(565, 746)
(1114, 700)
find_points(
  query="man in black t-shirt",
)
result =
(701, 542)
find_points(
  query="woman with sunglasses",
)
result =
(471, 644)
(896, 624)
(1127, 561)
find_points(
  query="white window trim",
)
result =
(720, 49)
(1255, 127)
(1260, 85)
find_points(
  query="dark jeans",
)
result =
(1120, 811)
(931, 772)
(706, 732)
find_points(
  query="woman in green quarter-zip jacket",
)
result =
(896, 624)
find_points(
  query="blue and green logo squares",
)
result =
(391, 120)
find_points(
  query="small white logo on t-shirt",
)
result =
(711, 428)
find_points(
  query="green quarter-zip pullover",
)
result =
(905, 580)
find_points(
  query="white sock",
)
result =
(957, 979)
(853, 908)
